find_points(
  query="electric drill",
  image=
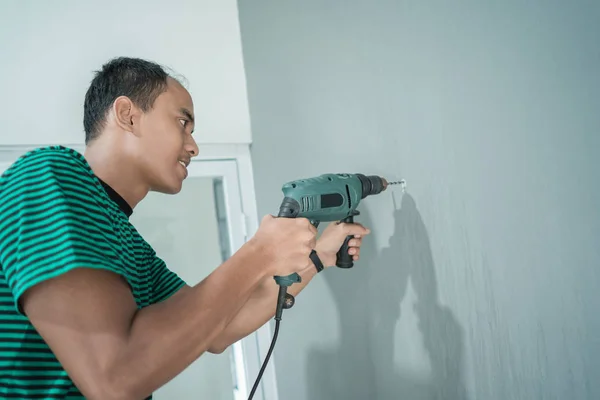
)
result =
(328, 197)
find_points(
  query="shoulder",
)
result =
(49, 159)
(46, 168)
(48, 180)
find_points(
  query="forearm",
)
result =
(165, 338)
(259, 309)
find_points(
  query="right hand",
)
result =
(286, 243)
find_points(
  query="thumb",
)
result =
(356, 229)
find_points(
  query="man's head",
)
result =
(144, 115)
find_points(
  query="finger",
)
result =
(306, 222)
(267, 218)
(301, 221)
(355, 229)
(355, 242)
(311, 235)
(354, 251)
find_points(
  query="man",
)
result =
(87, 309)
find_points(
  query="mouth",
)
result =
(184, 164)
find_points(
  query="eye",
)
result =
(183, 122)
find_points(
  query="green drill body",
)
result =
(328, 197)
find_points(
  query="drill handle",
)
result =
(344, 260)
(289, 208)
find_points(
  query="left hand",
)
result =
(333, 238)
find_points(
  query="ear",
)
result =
(126, 114)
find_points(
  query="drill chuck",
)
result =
(371, 184)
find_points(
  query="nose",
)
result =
(191, 147)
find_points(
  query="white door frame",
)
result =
(254, 347)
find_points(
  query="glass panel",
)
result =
(189, 231)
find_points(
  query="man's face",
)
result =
(166, 139)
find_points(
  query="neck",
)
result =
(110, 163)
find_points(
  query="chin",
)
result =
(173, 187)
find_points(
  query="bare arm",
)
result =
(111, 349)
(259, 309)
(261, 305)
(255, 312)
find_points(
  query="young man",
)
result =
(87, 309)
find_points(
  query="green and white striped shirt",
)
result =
(56, 215)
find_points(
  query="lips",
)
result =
(184, 164)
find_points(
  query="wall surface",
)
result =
(50, 50)
(481, 281)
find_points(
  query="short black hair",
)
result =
(140, 80)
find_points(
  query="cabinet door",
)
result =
(194, 232)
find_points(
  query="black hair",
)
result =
(140, 80)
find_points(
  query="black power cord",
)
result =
(262, 370)
(284, 301)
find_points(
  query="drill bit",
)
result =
(401, 182)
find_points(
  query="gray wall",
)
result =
(480, 282)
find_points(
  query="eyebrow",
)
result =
(188, 115)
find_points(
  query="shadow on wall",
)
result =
(369, 299)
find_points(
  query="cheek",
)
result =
(156, 130)
(162, 136)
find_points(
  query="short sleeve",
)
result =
(52, 221)
(165, 282)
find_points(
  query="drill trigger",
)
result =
(350, 217)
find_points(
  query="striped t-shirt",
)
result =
(56, 215)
